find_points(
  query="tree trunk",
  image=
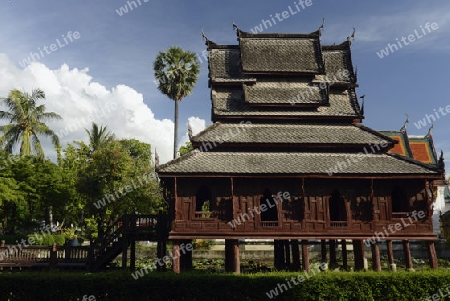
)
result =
(175, 131)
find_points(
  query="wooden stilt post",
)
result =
(358, 249)
(186, 257)
(276, 253)
(133, 255)
(287, 254)
(333, 259)
(323, 248)
(376, 264)
(295, 255)
(344, 254)
(124, 252)
(282, 256)
(432, 255)
(408, 259)
(390, 252)
(176, 266)
(305, 256)
(236, 262)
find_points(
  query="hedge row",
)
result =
(194, 286)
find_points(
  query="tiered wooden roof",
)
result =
(302, 115)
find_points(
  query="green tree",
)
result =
(177, 72)
(26, 122)
(98, 137)
(184, 149)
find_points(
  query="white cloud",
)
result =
(72, 94)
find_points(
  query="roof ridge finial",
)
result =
(362, 104)
(403, 129)
(189, 130)
(349, 39)
(429, 130)
(322, 26)
(205, 38)
(441, 163)
(235, 27)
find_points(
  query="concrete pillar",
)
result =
(376, 264)
(432, 255)
(305, 256)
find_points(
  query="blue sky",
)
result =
(112, 58)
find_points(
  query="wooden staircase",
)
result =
(124, 234)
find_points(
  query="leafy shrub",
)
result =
(60, 239)
(370, 286)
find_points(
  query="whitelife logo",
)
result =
(33, 57)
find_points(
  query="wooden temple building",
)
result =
(288, 159)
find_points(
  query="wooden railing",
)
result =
(339, 224)
(12, 255)
(400, 214)
(205, 214)
(270, 224)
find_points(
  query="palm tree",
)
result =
(177, 72)
(26, 122)
(98, 137)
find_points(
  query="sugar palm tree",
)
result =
(177, 72)
(26, 122)
(98, 137)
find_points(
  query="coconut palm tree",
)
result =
(98, 137)
(26, 122)
(177, 72)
